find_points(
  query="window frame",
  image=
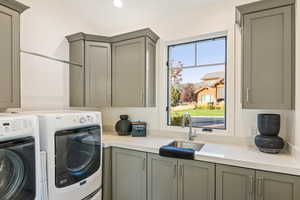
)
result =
(230, 93)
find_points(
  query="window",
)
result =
(197, 83)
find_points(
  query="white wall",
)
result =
(214, 18)
(45, 83)
(43, 29)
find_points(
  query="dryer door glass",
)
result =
(78, 155)
(17, 170)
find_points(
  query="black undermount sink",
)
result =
(187, 145)
(181, 149)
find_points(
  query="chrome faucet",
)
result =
(185, 117)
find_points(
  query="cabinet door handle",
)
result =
(142, 96)
(175, 171)
(251, 190)
(181, 170)
(260, 187)
(247, 94)
(144, 164)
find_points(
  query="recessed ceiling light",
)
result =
(118, 3)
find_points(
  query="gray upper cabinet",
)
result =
(123, 76)
(162, 178)
(267, 64)
(98, 74)
(129, 171)
(196, 180)
(150, 73)
(10, 53)
(128, 73)
(133, 73)
(274, 186)
(234, 183)
(90, 84)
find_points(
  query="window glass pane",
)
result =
(199, 91)
(182, 55)
(211, 51)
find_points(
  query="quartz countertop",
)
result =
(228, 154)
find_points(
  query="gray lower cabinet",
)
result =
(136, 175)
(10, 53)
(107, 173)
(133, 73)
(234, 183)
(90, 85)
(173, 179)
(162, 178)
(129, 175)
(196, 180)
(267, 52)
(274, 186)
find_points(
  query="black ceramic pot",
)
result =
(269, 144)
(268, 124)
(124, 126)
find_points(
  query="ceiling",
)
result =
(109, 20)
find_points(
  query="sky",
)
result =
(208, 52)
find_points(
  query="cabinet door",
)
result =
(273, 186)
(196, 180)
(77, 90)
(129, 174)
(162, 178)
(150, 73)
(234, 183)
(10, 58)
(97, 74)
(107, 172)
(128, 70)
(267, 59)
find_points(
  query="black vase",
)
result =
(123, 126)
(268, 124)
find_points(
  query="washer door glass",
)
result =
(11, 173)
(78, 155)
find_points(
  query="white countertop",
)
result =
(229, 154)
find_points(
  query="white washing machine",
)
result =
(20, 166)
(72, 141)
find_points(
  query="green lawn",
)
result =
(200, 112)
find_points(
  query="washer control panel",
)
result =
(14, 126)
(78, 119)
(87, 119)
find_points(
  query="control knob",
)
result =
(82, 120)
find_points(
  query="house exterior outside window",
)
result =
(197, 82)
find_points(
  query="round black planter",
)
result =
(269, 144)
(124, 126)
(268, 124)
